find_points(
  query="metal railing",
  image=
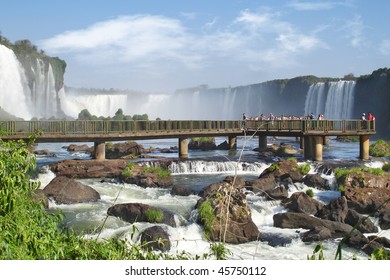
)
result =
(105, 127)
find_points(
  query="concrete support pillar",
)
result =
(307, 150)
(317, 148)
(100, 150)
(326, 140)
(364, 147)
(262, 142)
(233, 142)
(301, 142)
(183, 148)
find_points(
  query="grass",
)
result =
(154, 215)
(206, 215)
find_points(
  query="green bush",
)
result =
(207, 217)
(305, 168)
(161, 172)
(128, 171)
(154, 215)
(310, 192)
(380, 148)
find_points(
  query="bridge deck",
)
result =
(113, 130)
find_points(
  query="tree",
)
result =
(85, 115)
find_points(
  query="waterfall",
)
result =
(201, 166)
(333, 99)
(17, 97)
(13, 85)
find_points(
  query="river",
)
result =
(201, 169)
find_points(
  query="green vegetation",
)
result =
(154, 215)
(203, 139)
(310, 192)
(380, 148)
(128, 171)
(342, 172)
(305, 168)
(161, 172)
(273, 167)
(119, 116)
(348, 138)
(207, 217)
(219, 251)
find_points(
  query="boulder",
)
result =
(155, 238)
(305, 221)
(181, 190)
(284, 168)
(123, 150)
(146, 179)
(89, 168)
(300, 202)
(228, 216)
(336, 210)
(261, 185)
(138, 212)
(384, 219)
(68, 191)
(316, 181)
(278, 193)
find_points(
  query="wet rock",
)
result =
(300, 202)
(138, 212)
(68, 191)
(155, 238)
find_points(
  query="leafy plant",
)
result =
(206, 216)
(386, 167)
(310, 192)
(220, 251)
(305, 168)
(161, 172)
(154, 215)
(128, 171)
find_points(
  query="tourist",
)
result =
(363, 117)
(371, 117)
(244, 119)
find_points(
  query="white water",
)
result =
(17, 97)
(333, 99)
(13, 84)
(189, 235)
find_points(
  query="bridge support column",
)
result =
(100, 150)
(318, 142)
(262, 142)
(364, 147)
(233, 142)
(326, 140)
(313, 148)
(183, 148)
(301, 142)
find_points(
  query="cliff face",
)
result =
(35, 80)
(372, 93)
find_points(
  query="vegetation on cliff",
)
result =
(27, 54)
(380, 148)
(119, 116)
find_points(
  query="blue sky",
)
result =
(165, 45)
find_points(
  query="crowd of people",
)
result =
(311, 116)
(272, 117)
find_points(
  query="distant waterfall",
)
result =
(17, 97)
(13, 85)
(333, 99)
(200, 167)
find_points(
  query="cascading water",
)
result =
(17, 98)
(13, 85)
(333, 99)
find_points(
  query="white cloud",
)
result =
(314, 6)
(355, 32)
(158, 45)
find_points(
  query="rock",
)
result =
(79, 148)
(228, 217)
(316, 234)
(181, 190)
(302, 220)
(275, 239)
(300, 202)
(146, 179)
(123, 150)
(261, 185)
(68, 191)
(316, 181)
(283, 168)
(89, 168)
(336, 210)
(278, 193)
(384, 219)
(155, 238)
(138, 212)
(364, 224)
